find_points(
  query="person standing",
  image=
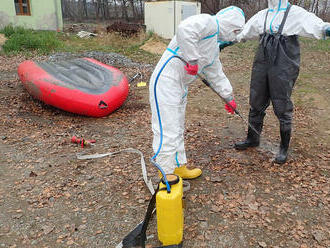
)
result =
(276, 65)
(197, 41)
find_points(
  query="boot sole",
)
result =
(241, 148)
(280, 162)
(192, 178)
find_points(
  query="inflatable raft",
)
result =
(83, 86)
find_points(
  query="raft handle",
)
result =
(103, 105)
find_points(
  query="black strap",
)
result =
(284, 19)
(147, 217)
(138, 237)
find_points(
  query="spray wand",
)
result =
(207, 83)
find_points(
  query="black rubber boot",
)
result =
(252, 140)
(282, 156)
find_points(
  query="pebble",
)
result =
(82, 227)
(17, 216)
(262, 244)
(90, 177)
(319, 236)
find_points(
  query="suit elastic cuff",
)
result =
(193, 62)
(229, 98)
(326, 32)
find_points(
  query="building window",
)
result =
(22, 7)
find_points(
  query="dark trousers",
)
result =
(272, 81)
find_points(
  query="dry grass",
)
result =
(2, 39)
(106, 41)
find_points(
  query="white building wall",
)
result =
(163, 17)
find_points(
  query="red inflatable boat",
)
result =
(83, 86)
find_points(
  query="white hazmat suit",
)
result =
(300, 22)
(197, 39)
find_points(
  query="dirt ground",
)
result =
(154, 46)
(49, 198)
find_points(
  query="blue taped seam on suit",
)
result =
(176, 159)
(160, 123)
(278, 11)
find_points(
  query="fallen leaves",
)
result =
(241, 196)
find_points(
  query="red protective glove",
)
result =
(191, 69)
(228, 108)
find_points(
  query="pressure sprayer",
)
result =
(169, 209)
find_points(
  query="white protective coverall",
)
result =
(299, 22)
(197, 39)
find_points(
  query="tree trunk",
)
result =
(106, 9)
(141, 10)
(324, 14)
(124, 10)
(133, 10)
(97, 9)
(116, 9)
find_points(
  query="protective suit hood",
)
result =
(231, 21)
(277, 4)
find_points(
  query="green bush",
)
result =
(26, 40)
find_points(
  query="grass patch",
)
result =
(250, 45)
(27, 40)
(9, 30)
(315, 45)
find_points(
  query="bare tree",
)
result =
(115, 8)
(141, 9)
(324, 13)
(124, 9)
(79, 10)
(84, 3)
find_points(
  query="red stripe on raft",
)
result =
(42, 86)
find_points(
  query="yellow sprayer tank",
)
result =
(170, 212)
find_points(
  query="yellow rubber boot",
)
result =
(186, 173)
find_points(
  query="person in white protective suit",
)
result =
(276, 65)
(197, 41)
